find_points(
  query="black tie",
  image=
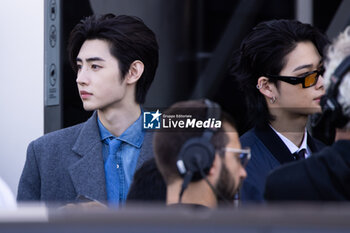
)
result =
(300, 155)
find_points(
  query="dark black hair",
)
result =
(167, 143)
(263, 51)
(129, 38)
(148, 184)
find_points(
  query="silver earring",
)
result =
(273, 100)
(258, 86)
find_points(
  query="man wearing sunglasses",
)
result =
(280, 68)
(326, 175)
(202, 167)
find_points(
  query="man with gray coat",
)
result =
(115, 58)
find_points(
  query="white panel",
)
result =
(21, 83)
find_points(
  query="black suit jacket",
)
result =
(268, 152)
(325, 176)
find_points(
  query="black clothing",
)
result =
(325, 176)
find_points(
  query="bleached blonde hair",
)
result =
(336, 53)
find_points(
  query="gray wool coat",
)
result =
(66, 164)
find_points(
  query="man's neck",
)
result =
(196, 193)
(292, 127)
(117, 120)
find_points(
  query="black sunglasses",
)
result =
(308, 80)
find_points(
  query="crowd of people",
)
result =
(289, 71)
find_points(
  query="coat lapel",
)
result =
(277, 147)
(88, 172)
(274, 143)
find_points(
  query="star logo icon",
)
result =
(156, 115)
(151, 120)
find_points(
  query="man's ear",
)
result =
(214, 171)
(135, 72)
(265, 87)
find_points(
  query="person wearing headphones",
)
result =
(201, 165)
(326, 175)
(280, 67)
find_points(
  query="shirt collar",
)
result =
(291, 146)
(133, 135)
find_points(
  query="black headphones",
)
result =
(197, 154)
(332, 116)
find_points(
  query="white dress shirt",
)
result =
(292, 147)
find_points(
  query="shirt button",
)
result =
(117, 165)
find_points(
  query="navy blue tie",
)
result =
(111, 172)
(300, 155)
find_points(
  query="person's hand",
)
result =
(85, 205)
(84, 202)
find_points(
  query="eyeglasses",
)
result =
(243, 154)
(308, 80)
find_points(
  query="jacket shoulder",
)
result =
(60, 136)
(249, 138)
(69, 131)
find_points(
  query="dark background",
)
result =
(189, 33)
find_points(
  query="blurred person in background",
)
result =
(202, 167)
(148, 185)
(7, 200)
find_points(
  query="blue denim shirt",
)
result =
(127, 154)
